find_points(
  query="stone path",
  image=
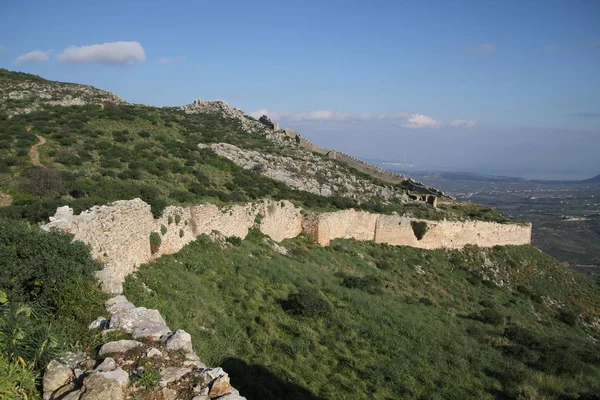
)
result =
(34, 155)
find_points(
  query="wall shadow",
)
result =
(256, 382)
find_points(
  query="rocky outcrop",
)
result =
(25, 96)
(119, 235)
(306, 171)
(162, 367)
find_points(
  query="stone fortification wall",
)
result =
(119, 234)
(363, 166)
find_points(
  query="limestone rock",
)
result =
(118, 346)
(56, 376)
(179, 340)
(74, 395)
(109, 281)
(137, 318)
(118, 304)
(118, 375)
(108, 364)
(172, 374)
(99, 322)
(168, 394)
(99, 387)
(153, 352)
(151, 332)
(220, 387)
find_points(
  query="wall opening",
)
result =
(419, 228)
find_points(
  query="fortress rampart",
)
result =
(119, 233)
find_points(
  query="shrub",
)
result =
(155, 242)
(234, 240)
(169, 220)
(568, 317)
(370, 283)
(307, 303)
(181, 233)
(40, 181)
(163, 230)
(419, 228)
(491, 316)
(177, 219)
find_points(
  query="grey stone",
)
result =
(99, 322)
(108, 364)
(74, 359)
(179, 340)
(137, 318)
(118, 304)
(118, 375)
(74, 395)
(109, 281)
(153, 352)
(151, 332)
(98, 387)
(118, 346)
(56, 376)
(172, 374)
(233, 395)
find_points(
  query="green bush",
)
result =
(307, 303)
(234, 240)
(155, 242)
(370, 283)
(163, 230)
(491, 316)
(181, 233)
(177, 218)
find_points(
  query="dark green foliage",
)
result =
(307, 303)
(234, 240)
(170, 220)
(491, 316)
(181, 233)
(371, 284)
(177, 219)
(163, 230)
(419, 228)
(568, 317)
(155, 241)
(36, 266)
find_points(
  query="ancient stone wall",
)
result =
(119, 234)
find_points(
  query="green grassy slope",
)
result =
(397, 322)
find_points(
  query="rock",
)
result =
(233, 395)
(57, 394)
(118, 346)
(201, 397)
(98, 387)
(179, 340)
(74, 360)
(99, 322)
(108, 364)
(56, 376)
(139, 318)
(118, 375)
(74, 395)
(172, 374)
(151, 333)
(220, 387)
(153, 352)
(109, 281)
(118, 304)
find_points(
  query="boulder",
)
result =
(118, 375)
(99, 322)
(118, 304)
(99, 387)
(138, 319)
(118, 346)
(108, 364)
(172, 374)
(179, 340)
(56, 376)
(220, 387)
(109, 281)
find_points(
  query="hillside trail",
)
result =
(34, 155)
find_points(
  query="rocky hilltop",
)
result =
(25, 93)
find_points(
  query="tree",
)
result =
(41, 181)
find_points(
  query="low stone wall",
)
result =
(119, 234)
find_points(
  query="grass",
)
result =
(413, 337)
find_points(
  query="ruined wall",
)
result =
(119, 233)
(402, 231)
(369, 169)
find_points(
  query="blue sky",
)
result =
(489, 86)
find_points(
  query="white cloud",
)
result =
(420, 121)
(327, 115)
(171, 60)
(32, 56)
(462, 123)
(113, 53)
(484, 48)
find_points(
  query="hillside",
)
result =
(324, 311)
